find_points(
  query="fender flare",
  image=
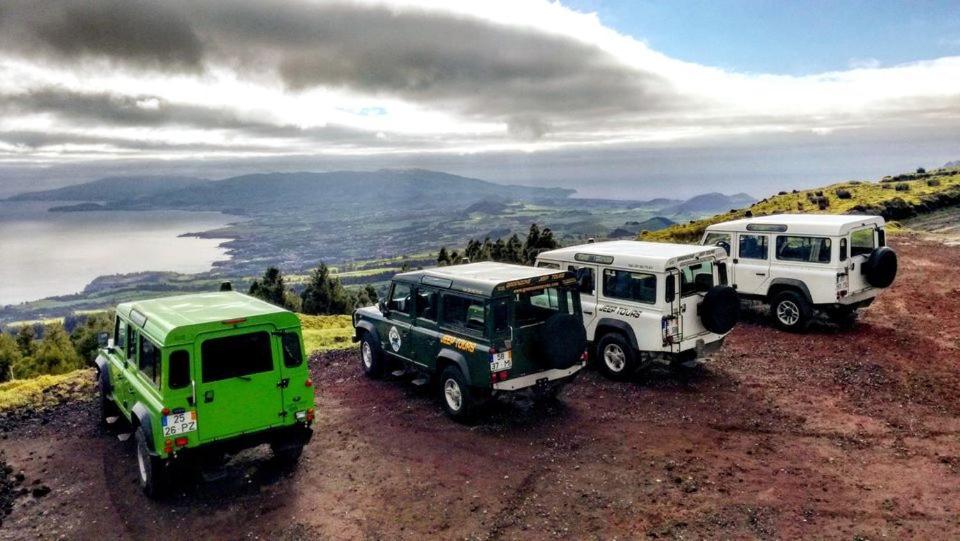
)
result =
(618, 325)
(457, 359)
(370, 328)
(103, 375)
(144, 420)
(792, 283)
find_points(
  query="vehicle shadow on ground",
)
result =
(759, 314)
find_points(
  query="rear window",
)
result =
(803, 249)
(696, 278)
(630, 286)
(236, 356)
(536, 306)
(292, 354)
(861, 242)
(718, 239)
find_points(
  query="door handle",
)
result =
(588, 313)
(208, 396)
(761, 274)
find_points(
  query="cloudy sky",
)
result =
(622, 99)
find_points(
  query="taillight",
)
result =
(165, 411)
(499, 376)
(310, 415)
(308, 383)
(180, 442)
(584, 356)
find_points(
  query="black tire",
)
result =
(881, 267)
(616, 358)
(152, 474)
(790, 311)
(371, 357)
(720, 309)
(456, 397)
(562, 340)
(108, 408)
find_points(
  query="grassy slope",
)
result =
(863, 193)
(321, 333)
(46, 390)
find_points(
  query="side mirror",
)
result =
(103, 340)
(382, 305)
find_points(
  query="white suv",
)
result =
(799, 263)
(646, 302)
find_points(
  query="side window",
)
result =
(292, 354)
(149, 361)
(722, 273)
(547, 265)
(131, 343)
(843, 249)
(803, 249)
(718, 239)
(120, 335)
(400, 299)
(752, 246)
(630, 286)
(463, 313)
(427, 304)
(587, 284)
(861, 242)
(881, 237)
(179, 376)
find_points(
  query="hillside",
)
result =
(895, 198)
(113, 189)
(710, 202)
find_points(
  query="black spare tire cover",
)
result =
(562, 340)
(881, 268)
(720, 309)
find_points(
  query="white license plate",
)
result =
(501, 361)
(179, 423)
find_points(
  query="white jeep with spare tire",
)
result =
(649, 302)
(800, 264)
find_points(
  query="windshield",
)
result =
(696, 278)
(532, 307)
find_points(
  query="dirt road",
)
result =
(851, 435)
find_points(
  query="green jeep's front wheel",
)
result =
(152, 473)
(371, 357)
(455, 396)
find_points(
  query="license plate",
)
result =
(179, 423)
(501, 361)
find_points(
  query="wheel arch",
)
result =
(448, 357)
(142, 418)
(607, 325)
(778, 285)
(368, 327)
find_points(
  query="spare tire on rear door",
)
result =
(562, 340)
(720, 309)
(881, 268)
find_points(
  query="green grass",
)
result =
(322, 333)
(862, 193)
(46, 390)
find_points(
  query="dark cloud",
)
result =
(521, 76)
(145, 33)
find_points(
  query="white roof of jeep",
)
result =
(656, 256)
(804, 224)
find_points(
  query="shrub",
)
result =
(819, 194)
(921, 170)
(903, 187)
(844, 194)
(933, 182)
(781, 193)
(823, 203)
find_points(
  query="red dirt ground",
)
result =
(830, 434)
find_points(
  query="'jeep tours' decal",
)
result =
(458, 343)
(619, 310)
(395, 342)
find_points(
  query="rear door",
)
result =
(238, 382)
(862, 243)
(695, 281)
(751, 264)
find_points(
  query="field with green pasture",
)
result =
(323, 333)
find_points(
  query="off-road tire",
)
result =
(371, 357)
(562, 340)
(720, 310)
(616, 358)
(108, 408)
(790, 311)
(151, 472)
(456, 397)
(880, 268)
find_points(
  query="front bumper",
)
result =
(536, 378)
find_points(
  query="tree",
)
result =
(85, 335)
(9, 356)
(443, 258)
(325, 294)
(25, 339)
(270, 288)
(921, 170)
(54, 355)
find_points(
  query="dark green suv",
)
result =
(476, 331)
